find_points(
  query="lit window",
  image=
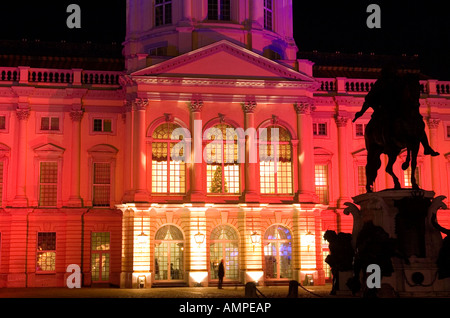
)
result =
(1, 182)
(219, 10)
(102, 125)
(46, 252)
(101, 184)
(168, 174)
(407, 177)
(48, 184)
(222, 170)
(362, 180)
(2, 122)
(224, 245)
(321, 180)
(50, 123)
(320, 129)
(163, 12)
(268, 14)
(275, 162)
(100, 256)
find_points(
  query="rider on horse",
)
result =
(386, 100)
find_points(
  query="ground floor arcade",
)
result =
(149, 245)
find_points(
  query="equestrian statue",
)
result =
(396, 124)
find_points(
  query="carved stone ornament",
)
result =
(249, 106)
(304, 108)
(341, 121)
(23, 113)
(141, 103)
(433, 123)
(196, 105)
(76, 115)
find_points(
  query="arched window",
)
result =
(224, 245)
(278, 252)
(168, 174)
(275, 161)
(222, 170)
(169, 254)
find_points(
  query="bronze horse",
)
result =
(393, 129)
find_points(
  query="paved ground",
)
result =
(184, 292)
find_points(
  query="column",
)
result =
(251, 154)
(75, 199)
(21, 199)
(433, 124)
(341, 123)
(139, 152)
(196, 164)
(187, 10)
(305, 160)
(256, 13)
(198, 268)
(128, 155)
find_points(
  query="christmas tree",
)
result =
(216, 184)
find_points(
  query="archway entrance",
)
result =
(277, 253)
(224, 245)
(169, 254)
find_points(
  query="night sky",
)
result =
(407, 27)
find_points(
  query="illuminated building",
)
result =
(87, 176)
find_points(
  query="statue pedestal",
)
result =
(406, 218)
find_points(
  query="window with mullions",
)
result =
(46, 252)
(163, 12)
(50, 123)
(102, 125)
(2, 122)
(275, 162)
(48, 184)
(321, 180)
(224, 245)
(362, 180)
(101, 184)
(407, 177)
(320, 129)
(100, 256)
(219, 10)
(222, 169)
(268, 15)
(168, 174)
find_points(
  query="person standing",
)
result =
(221, 273)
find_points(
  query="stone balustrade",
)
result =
(63, 77)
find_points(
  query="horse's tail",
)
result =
(405, 165)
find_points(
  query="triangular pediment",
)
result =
(223, 60)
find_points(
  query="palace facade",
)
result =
(88, 174)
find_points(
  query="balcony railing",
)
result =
(59, 77)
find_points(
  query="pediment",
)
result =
(49, 150)
(223, 60)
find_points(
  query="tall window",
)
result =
(46, 252)
(48, 184)
(163, 12)
(224, 245)
(362, 180)
(275, 162)
(222, 170)
(268, 14)
(321, 178)
(1, 182)
(169, 253)
(168, 174)
(407, 177)
(278, 252)
(100, 256)
(219, 10)
(101, 184)
(2, 122)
